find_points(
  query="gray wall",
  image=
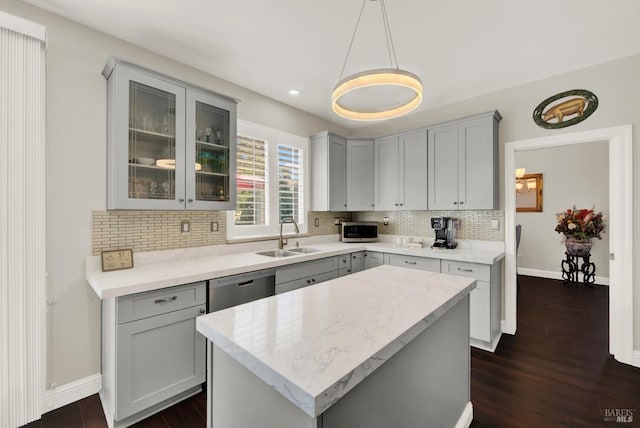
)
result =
(76, 170)
(575, 175)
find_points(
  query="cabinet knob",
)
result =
(190, 200)
(308, 281)
(373, 205)
(461, 202)
(202, 311)
(354, 257)
(345, 205)
(396, 205)
(402, 205)
(181, 200)
(455, 203)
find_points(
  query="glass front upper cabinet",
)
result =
(169, 144)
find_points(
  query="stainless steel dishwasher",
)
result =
(237, 289)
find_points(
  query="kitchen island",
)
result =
(388, 346)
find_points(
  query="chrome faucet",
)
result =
(283, 241)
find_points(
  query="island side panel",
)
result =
(426, 384)
(239, 399)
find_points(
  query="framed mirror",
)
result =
(529, 193)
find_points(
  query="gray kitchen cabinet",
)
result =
(328, 172)
(373, 259)
(413, 262)
(463, 164)
(484, 302)
(152, 356)
(360, 177)
(303, 274)
(400, 172)
(171, 145)
(351, 263)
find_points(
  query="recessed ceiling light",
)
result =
(294, 92)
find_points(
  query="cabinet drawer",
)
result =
(305, 282)
(470, 270)
(306, 269)
(422, 263)
(144, 305)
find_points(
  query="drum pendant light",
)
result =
(377, 94)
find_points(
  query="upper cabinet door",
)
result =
(478, 179)
(360, 181)
(387, 174)
(413, 152)
(146, 142)
(337, 171)
(443, 167)
(210, 152)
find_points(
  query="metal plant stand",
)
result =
(571, 268)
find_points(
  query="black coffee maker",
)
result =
(445, 230)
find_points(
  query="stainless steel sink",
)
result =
(277, 253)
(303, 250)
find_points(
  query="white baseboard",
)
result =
(466, 417)
(66, 394)
(600, 280)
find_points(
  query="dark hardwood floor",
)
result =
(555, 372)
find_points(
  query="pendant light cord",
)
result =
(353, 37)
(391, 50)
(387, 30)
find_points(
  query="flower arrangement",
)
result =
(581, 224)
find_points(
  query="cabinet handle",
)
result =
(313, 280)
(402, 205)
(202, 311)
(166, 300)
(455, 203)
(354, 257)
(190, 200)
(244, 284)
(308, 281)
(373, 205)
(395, 205)
(348, 270)
(465, 270)
(345, 205)
(410, 263)
(461, 202)
(181, 200)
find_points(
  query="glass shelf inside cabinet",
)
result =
(152, 142)
(212, 153)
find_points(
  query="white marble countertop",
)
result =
(160, 269)
(316, 343)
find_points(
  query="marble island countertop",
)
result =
(155, 270)
(315, 344)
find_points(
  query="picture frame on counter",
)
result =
(117, 259)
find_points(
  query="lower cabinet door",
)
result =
(480, 312)
(373, 259)
(158, 358)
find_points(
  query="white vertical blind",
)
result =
(22, 222)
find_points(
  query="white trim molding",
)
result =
(466, 417)
(620, 141)
(71, 392)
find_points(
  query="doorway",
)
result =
(620, 226)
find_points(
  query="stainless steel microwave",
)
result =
(359, 231)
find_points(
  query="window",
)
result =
(271, 182)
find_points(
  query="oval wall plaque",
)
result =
(573, 107)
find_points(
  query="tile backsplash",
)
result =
(160, 230)
(474, 225)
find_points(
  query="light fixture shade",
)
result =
(389, 77)
(520, 172)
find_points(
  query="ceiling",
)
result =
(459, 48)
